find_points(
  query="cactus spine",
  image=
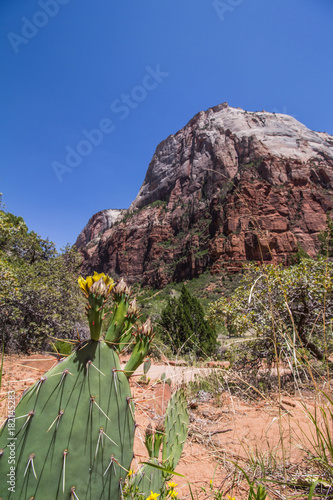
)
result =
(74, 428)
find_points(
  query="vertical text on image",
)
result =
(11, 445)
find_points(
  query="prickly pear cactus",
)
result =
(171, 435)
(73, 430)
(176, 427)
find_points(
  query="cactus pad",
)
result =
(172, 437)
(74, 428)
(74, 431)
(176, 428)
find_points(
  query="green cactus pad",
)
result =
(74, 431)
(117, 324)
(149, 478)
(176, 428)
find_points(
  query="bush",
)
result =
(39, 296)
(287, 313)
(184, 327)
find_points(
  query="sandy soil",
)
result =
(219, 430)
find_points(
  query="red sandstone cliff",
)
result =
(230, 186)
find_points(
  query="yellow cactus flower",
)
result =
(88, 285)
(172, 485)
(152, 496)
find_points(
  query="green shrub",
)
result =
(184, 327)
(283, 312)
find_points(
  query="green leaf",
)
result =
(163, 469)
(311, 491)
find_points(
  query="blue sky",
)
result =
(90, 87)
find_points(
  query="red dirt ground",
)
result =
(219, 430)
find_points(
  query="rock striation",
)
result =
(229, 187)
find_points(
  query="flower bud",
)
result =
(133, 309)
(121, 288)
(99, 288)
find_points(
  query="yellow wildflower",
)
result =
(172, 485)
(173, 494)
(130, 472)
(153, 496)
(230, 497)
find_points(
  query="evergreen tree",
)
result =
(183, 323)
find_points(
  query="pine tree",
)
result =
(183, 323)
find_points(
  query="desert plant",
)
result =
(39, 297)
(255, 493)
(72, 433)
(326, 238)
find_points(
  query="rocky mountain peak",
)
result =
(230, 186)
(215, 143)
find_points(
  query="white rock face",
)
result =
(98, 224)
(111, 216)
(222, 139)
(282, 135)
